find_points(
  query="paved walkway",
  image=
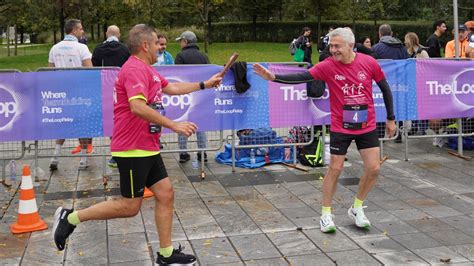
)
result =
(422, 211)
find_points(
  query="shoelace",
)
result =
(326, 217)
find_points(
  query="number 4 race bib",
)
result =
(354, 116)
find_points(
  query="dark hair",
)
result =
(362, 40)
(70, 25)
(162, 36)
(438, 24)
(138, 34)
(305, 29)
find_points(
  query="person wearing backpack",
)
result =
(414, 48)
(304, 43)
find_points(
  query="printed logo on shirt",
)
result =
(352, 89)
(156, 79)
(362, 75)
(339, 77)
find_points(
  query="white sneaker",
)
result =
(359, 217)
(327, 224)
(53, 166)
(83, 165)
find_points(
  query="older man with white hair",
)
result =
(111, 52)
(349, 77)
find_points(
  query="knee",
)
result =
(131, 209)
(373, 170)
(335, 169)
(165, 196)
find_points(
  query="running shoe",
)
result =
(61, 227)
(359, 217)
(177, 258)
(327, 224)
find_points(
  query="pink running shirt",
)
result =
(130, 131)
(350, 90)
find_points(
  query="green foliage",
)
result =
(286, 31)
(31, 58)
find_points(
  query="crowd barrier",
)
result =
(69, 104)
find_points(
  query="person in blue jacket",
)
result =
(163, 57)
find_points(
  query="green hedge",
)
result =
(286, 31)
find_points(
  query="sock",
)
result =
(57, 149)
(326, 210)
(166, 252)
(73, 218)
(358, 203)
(84, 152)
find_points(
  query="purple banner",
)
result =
(290, 105)
(445, 88)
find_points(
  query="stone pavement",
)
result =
(422, 213)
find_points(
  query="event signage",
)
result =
(73, 104)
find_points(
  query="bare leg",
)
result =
(372, 167)
(121, 208)
(164, 199)
(330, 180)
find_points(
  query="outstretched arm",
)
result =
(388, 100)
(297, 78)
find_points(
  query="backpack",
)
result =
(418, 51)
(292, 47)
(312, 155)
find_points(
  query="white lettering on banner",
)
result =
(225, 88)
(176, 100)
(377, 95)
(8, 108)
(51, 110)
(53, 95)
(446, 89)
(218, 101)
(292, 94)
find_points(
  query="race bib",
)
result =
(354, 116)
(154, 128)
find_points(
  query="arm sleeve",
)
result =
(135, 84)
(296, 78)
(85, 53)
(387, 98)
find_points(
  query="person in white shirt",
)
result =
(70, 53)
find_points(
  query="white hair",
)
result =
(344, 33)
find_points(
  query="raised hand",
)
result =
(184, 128)
(263, 72)
(214, 81)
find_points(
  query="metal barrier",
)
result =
(14, 150)
(439, 130)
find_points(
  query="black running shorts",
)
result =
(138, 172)
(340, 142)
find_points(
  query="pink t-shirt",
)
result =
(350, 89)
(130, 131)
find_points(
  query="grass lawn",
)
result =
(32, 57)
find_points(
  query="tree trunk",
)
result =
(209, 28)
(98, 31)
(319, 33)
(55, 39)
(16, 40)
(61, 19)
(254, 28)
(104, 31)
(92, 32)
(8, 40)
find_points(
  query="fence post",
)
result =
(36, 162)
(323, 135)
(233, 150)
(405, 134)
(460, 147)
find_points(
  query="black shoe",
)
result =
(205, 157)
(62, 228)
(177, 258)
(184, 157)
(398, 139)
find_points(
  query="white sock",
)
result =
(57, 149)
(83, 152)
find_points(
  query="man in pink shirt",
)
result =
(349, 77)
(138, 120)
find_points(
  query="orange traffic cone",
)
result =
(28, 217)
(147, 193)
